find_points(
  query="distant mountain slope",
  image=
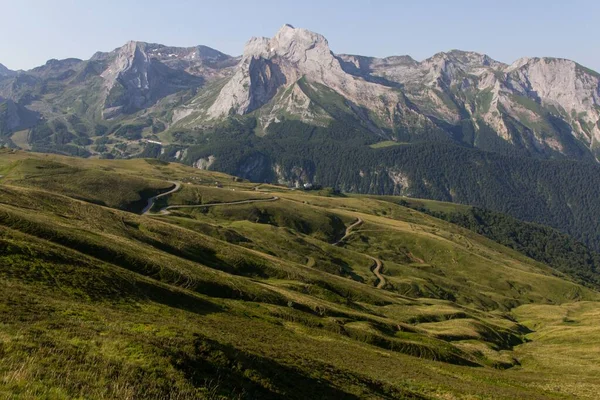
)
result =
(15, 117)
(539, 242)
(541, 106)
(538, 106)
(561, 193)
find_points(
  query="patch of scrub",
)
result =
(386, 143)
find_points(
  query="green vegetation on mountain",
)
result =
(254, 300)
(539, 242)
(561, 194)
(385, 143)
(102, 186)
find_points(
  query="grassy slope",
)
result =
(539, 242)
(253, 301)
(386, 143)
(552, 352)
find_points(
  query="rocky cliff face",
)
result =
(270, 66)
(139, 74)
(540, 104)
(544, 106)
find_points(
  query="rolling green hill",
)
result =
(282, 294)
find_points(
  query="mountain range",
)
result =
(542, 106)
(459, 126)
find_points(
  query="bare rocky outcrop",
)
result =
(139, 74)
(205, 163)
(400, 180)
(550, 99)
(296, 176)
(269, 66)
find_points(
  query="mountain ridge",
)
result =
(539, 106)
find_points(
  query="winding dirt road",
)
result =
(349, 231)
(377, 267)
(151, 200)
(165, 211)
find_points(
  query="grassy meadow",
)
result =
(255, 301)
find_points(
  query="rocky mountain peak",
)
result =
(139, 73)
(56, 68)
(520, 63)
(447, 63)
(294, 44)
(124, 59)
(269, 63)
(290, 43)
(563, 84)
(207, 53)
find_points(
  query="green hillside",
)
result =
(536, 241)
(282, 294)
(562, 194)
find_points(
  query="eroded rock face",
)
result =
(550, 99)
(205, 163)
(139, 74)
(537, 106)
(535, 103)
(563, 84)
(295, 176)
(268, 65)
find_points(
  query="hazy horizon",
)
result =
(505, 31)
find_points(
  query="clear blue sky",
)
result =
(34, 31)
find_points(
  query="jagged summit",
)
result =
(146, 72)
(270, 63)
(449, 86)
(289, 42)
(279, 62)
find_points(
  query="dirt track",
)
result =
(377, 267)
(349, 231)
(151, 200)
(165, 211)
